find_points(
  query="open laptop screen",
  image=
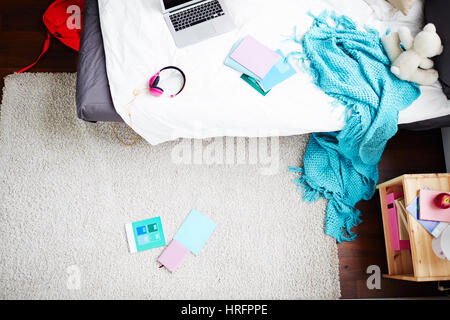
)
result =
(168, 4)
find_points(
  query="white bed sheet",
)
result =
(216, 102)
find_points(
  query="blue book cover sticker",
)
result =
(145, 235)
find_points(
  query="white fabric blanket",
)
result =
(216, 102)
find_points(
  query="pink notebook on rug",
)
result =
(173, 255)
(428, 209)
(255, 56)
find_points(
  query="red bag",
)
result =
(64, 20)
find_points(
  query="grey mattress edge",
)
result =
(93, 96)
(94, 102)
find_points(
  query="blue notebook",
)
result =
(195, 231)
(254, 84)
(145, 234)
(280, 72)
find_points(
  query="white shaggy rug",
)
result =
(67, 189)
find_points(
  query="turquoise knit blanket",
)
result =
(350, 65)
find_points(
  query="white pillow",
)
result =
(387, 13)
(403, 5)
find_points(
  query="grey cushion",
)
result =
(94, 102)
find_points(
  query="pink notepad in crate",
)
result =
(255, 56)
(428, 210)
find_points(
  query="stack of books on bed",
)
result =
(425, 209)
(261, 67)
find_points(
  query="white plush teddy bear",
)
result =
(414, 63)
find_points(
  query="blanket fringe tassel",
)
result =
(348, 216)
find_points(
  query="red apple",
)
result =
(442, 200)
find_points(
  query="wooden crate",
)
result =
(420, 263)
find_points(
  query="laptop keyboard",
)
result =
(198, 14)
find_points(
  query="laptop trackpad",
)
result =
(205, 30)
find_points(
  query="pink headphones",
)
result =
(154, 81)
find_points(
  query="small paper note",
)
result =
(173, 255)
(236, 66)
(195, 231)
(255, 56)
(429, 210)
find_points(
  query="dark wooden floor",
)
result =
(407, 152)
(22, 35)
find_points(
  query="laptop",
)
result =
(192, 21)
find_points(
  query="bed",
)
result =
(96, 103)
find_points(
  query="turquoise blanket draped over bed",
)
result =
(351, 66)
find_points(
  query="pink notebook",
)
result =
(173, 255)
(255, 56)
(396, 243)
(428, 210)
